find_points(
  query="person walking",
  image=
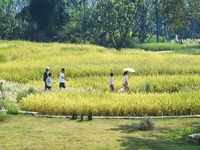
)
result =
(45, 76)
(49, 82)
(112, 82)
(126, 87)
(62, 79)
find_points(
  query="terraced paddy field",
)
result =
(164, 84)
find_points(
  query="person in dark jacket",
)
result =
(45, 77)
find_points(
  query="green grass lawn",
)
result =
(36, 133)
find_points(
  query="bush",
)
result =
(185, 134)
(25, 93)
(21, 95)
(2, 116)
(146, 125)
(12, 109)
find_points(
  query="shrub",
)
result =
(21, 95)
(146, 125)
(25, 93)
(2, 116)
(12, 109)
(185, 134)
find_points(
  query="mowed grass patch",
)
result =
(28, 132)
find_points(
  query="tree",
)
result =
(147, 20)
(116, 18)
(41, 12)
(191, 9)
(178, 15)
(9, 24)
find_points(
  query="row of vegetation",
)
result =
(110, 23)
(87, 61)
(163, 84)
(106, 104)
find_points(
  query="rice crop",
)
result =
(114, 104)
(163, 84)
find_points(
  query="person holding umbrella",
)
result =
(126, 70)
(126, 87)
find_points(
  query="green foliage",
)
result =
(188, 51)
(25, 93)
(188, 131)
(2, 116)
(2, 58)
(108, 23)
(167, 46)
(148, 87)
(158, 46)
(116, 17)
(12, 109)
(41, 11)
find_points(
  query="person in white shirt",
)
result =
(49, 82)
(62, 79)
(126, 87)
(112, 82)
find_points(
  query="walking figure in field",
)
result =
(45, 76)
(112, 89)
(49, 82)
(126, 87)
(62, 79)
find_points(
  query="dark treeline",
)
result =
(116, 23)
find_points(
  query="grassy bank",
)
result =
(27, 132)
(167, 46)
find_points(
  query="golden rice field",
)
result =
(163, 84)
(106, 104)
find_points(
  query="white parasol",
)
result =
(129, 69)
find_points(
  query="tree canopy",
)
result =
(112, 23)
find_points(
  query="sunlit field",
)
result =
(163, 84)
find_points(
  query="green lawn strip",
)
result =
(166, 46)
(30, 132)
(188, 51)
